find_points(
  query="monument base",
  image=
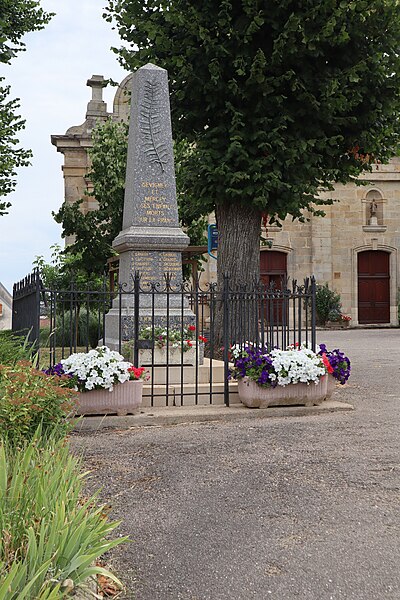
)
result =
(122, 323)
(198, 385)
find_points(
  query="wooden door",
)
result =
(273, 269)
(373, 287)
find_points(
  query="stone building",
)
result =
(354, 248)
(5, 308)
(74, 144)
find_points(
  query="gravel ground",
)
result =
(285, 508)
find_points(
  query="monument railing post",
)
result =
(136, 304)
(225, 300)
(313, 314)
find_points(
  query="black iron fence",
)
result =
(182, 335)
(26, 306)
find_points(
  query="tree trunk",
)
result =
(239, 229)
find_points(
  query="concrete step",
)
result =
(185, 395)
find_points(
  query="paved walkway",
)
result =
(293, 507)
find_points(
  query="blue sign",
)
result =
(212, 232)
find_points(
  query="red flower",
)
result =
(327, 364)
(136, 372)
(192, 328)
(203, 339)
(189, 343)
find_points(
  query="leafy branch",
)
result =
(150, 125)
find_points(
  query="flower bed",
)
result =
(183, 338)
(52, 532)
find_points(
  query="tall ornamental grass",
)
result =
(51, 534)
(14, 348)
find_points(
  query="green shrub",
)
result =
(73, 330)
(51, 535)
(328, 304)
(29, 398)
(14, 348)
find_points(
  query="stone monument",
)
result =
(151, 240)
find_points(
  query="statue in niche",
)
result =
(373, 208)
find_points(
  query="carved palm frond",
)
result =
(150, 125)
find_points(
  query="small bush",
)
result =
(328, 304)
(73, 330)
(14, 348)
(51, 534)
(29, 398)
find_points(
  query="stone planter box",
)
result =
(254, 396)
(331, 385)
(337, 324)
(175, 356)
(125, 398)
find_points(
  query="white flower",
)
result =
(297, 366)
(98, 368)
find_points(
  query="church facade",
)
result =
(354, 248)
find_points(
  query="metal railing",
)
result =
(182, 334)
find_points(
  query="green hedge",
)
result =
(328, 304)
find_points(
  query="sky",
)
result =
(50, 81)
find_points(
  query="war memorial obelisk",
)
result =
(151, 240)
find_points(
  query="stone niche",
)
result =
(373, 212)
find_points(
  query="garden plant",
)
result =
(51, 534)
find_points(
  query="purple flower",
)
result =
(255, 363)
(55, 370)
(339, 362)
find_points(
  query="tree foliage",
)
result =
(63, 270)
(280, 99)
(11, 156)
(17, 17)
(95, 231)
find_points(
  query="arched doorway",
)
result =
(373, 287)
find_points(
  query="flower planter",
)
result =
(125, 398)
(175, 356)
(254, 396)
(337, 324)
(331, 385)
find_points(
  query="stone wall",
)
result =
(5, 308)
